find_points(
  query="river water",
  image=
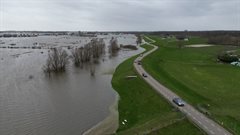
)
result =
(64, 104)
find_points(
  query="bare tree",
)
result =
(77, 55)
(98, 47)
(92, 51)
(57, 61)
(113, 46)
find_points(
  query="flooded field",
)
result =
(64, 104)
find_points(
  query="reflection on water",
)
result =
(65, 104)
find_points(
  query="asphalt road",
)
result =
(202, 121)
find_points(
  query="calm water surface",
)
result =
(65, 104)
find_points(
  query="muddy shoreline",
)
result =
(109, 125)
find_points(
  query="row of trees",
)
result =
(213, 37)
(224, 40)
(89, 54)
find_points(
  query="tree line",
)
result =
(58, 58)
(212, 37)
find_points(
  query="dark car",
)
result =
(178, 101)
(139, 62)
(144, 75)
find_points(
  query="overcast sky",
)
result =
(119, 15)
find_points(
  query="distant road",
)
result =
(206, 124)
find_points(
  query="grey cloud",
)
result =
(119, 15)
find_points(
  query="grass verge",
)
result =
(142, 107)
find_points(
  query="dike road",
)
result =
(199, 119)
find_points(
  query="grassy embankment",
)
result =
(195, 75)
(143, 108)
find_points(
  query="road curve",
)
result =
(206, 124)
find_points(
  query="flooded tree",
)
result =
(57, 61)
(92, 51)
(113, 47)
(98, 47)
(87, 52)
(77, 55)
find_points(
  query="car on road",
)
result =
(178, 101)
(144, 75)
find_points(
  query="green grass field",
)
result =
(196, 76)
(143, 108)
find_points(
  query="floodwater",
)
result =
(64, 104)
